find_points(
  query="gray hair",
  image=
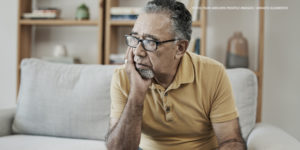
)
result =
(181, 18)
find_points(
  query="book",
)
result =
(125, 13)
(125, 10)
(123, 17)
(47, 13)
(117, 58)
(194, 46)
(197, 46)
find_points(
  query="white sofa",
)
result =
(66, 107)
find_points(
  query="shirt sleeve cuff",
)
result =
(224, 117)
(115, 115)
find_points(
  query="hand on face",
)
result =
(138, 84)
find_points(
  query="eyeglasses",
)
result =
(148, 45)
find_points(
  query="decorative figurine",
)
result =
(60, 51)
(82, 12)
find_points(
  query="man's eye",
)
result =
(149, 43)
(152, 42)
(134, 38)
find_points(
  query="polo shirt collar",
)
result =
(185, 73)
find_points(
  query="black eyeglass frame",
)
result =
(141, 40)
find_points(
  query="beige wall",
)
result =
(8, 53)
(282, 55)
(221, 24)
(281, 92)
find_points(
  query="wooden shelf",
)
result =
(26, 30)
(131, 23)
(196, 24)
(59, 22)
(122, 22)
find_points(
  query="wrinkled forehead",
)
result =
(155, 24)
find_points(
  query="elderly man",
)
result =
(165, 97)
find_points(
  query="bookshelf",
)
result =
(59, 22)
(25, 28)
(112, 26)
(130, 23)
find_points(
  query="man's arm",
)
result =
(229, 135)
(125, 134)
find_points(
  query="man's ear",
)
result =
(181, 48)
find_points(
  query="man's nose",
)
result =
(139, 50)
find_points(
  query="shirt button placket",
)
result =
(166, 94)
(169, 116)
(168, 109)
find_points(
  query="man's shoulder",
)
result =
(120, 73)
(120, 68)
(204, 62)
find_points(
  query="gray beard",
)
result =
(146, 73)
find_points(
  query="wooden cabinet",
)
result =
(25, 27)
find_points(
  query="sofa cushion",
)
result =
(27, 142)
(63, 100)
(244, 85)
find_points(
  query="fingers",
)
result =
(130, 56)
(126, 54)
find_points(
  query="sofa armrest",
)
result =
(6, 119)
(267, 137)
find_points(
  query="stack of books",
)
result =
(125, 13)
(47, 13)
(117, 58)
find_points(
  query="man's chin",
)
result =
(146, 73)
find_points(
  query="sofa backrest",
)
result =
(63, 100)
(244, 85)
(73, 100)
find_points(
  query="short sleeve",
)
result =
(223, 104)
(118, 93)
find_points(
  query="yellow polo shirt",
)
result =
(181, 116)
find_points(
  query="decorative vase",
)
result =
(60, 51)
(237, 51)
(82, 12)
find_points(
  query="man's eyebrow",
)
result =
(133, 33)
(145, 35)
(151, 36)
